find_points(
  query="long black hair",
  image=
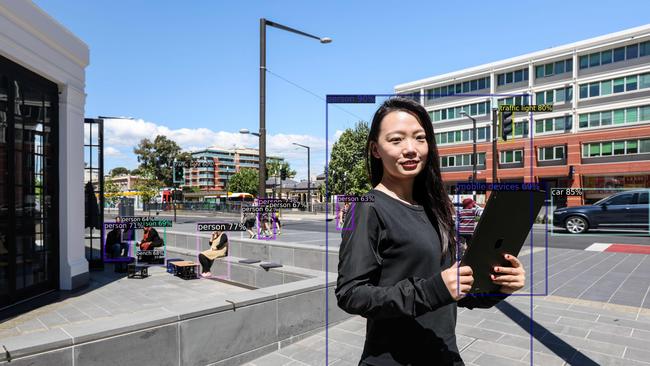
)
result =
(428, 189)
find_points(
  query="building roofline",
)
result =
(549, 52)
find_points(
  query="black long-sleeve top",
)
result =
(389, 272)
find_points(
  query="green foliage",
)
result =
(156, 158)
(277, 167)
(120, 170)
(148, 187)
(111, 192)
(347, 172)
(246, 180)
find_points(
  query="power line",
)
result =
(314, 94)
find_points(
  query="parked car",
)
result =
(623, 210)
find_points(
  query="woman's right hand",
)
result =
(458, 280)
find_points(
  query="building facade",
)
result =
(42, 81)
(227, 162)
(597, 136)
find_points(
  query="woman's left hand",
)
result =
(510, 279)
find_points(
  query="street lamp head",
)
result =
(325, 40)
(463, 113)
(244, 131)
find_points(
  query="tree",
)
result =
(157, 158)
(278, 168)
(347, 171)
(111, 192)
(120, 170)
(246, 180)
(148, 187)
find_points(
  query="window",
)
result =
(621, 199)
(619, 85)
(560, 95)
(594, 119)
(644, 146)
(632, 51)
(630, 83)
(644, 49)
(550, 153)
(584, 91)
(631, 115)
(553, 68)
(594, 90)
(628, 52)
(644, 113)
(631, 146)
(539, 98)
(512, 156)
(606, 57)
(619, 54)
(606, 118)
(548, 69)
(583, 121)
(606, 87)
(512, 76)
(619, 147)
(619, 116)
(481, 84)
(644, 81)
(643, 198)
(606, 148)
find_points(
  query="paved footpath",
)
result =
(597, 313)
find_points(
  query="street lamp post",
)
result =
(474, 157)
(308, 176)
(262, 131)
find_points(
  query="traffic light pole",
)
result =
(494, 146)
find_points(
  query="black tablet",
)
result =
(503, 227)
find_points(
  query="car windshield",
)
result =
(600, 202)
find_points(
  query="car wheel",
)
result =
(576, 225)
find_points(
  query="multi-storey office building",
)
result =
(227, 162)
(597, 136)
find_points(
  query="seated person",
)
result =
(114, 244)
(218, 249)
(151, 239)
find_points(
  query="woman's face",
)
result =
(401, 145)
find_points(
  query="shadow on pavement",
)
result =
(558, 346)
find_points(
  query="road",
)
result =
(302, 229)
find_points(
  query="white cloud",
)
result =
(113, 152)
(128, 133)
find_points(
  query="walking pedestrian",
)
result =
(396, 267)
(467, 219)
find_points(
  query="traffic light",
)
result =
(506, 124)
(178, 175)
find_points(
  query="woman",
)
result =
(248, 219)
(218, 249)
(395, 267)
(151, 239)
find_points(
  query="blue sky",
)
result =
(190, 69)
